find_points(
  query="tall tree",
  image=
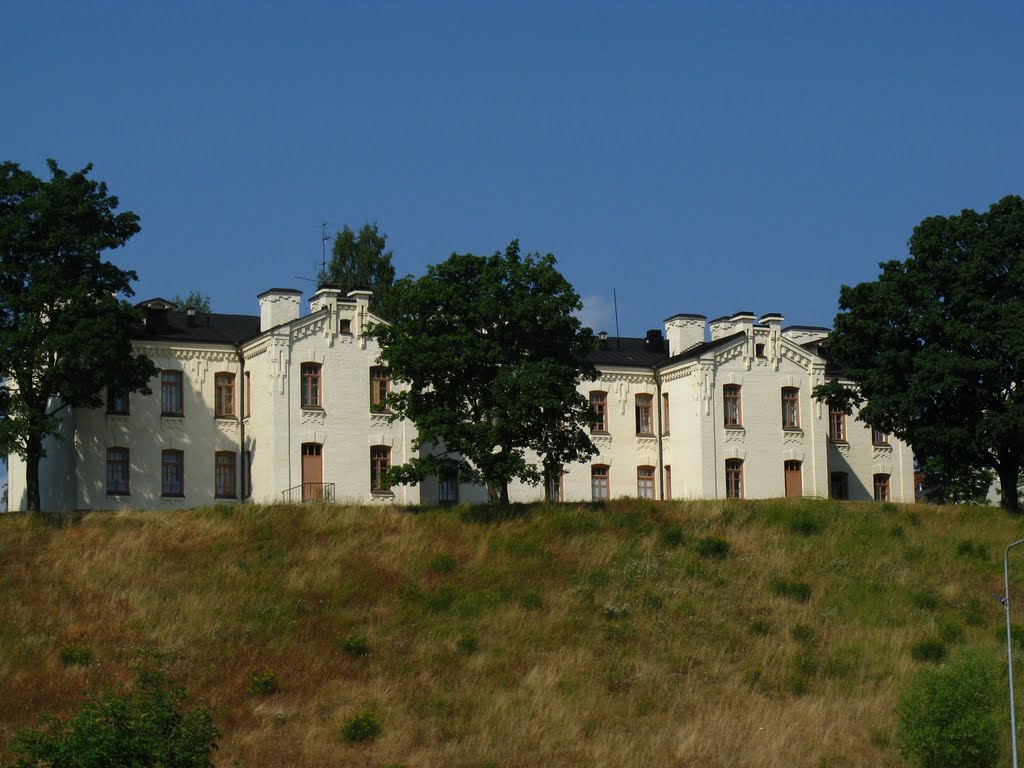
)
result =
(935, 346)
(491, 354)
(64, 334)
(192, 300)
(359, 262)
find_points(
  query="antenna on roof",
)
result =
(618, 338)
(324, 237)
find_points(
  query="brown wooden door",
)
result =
(794, 483)
(312, 471)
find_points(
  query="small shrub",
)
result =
(361, 727)
(355, 645)
(653, 602)
(713, 547)
(974, 550)
(947, 717)
(468, 644)
(442, 564)
(531, 601)
(925, 600)
(263, 682)
(803, 633)
(673, 536)
(951, 631)
(760, 627)
(616, 611)
(791, 588)
(72, 655)
(803, 523)
(932, 651)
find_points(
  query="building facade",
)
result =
(292, 407)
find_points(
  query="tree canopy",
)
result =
(491, 354)
(64, 333)
(192, 300)
(359, 262)
(935, 348)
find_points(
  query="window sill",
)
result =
(119, 493)
(645, 434)
(172, 495)
(378, 494)
(604, 432)
(179, 415)
(735, 427)
(838, 442)
(881, 445)
(312, 407)
(118, 413)
(226, 498)
(793, 429)
(225, 417)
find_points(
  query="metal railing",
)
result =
(308, 492)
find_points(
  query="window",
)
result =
(247, 476)
(170, 393)
(731, 398)
(117, 471)
(644, 415)
(881, 487)
(645, 482)
(117, 401)
(224, 395)
(224, 475)
(380, 387)
(248, 394)
(668, 483)
(790, 408)
(311, 385)
(380, 461)
(759, 350)
(553, 485)
(878, 437)
(448, 484)
(836, 425)
(599, 482)
(172, 473)
(345, 325)
(664, 413)
(734, 478)
(840, 485)
(599, 402)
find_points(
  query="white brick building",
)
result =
(284, 407)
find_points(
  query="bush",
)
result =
(75, 655)
(948, 715)
(804, 523)
(442, 564)
(363, 726)
(468, 644)
(355, 645)
(263, 682)
(673, 536)
(713, 547)
(928, 650)
(791, 588)
(148, 726)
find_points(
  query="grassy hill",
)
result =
(760, 633)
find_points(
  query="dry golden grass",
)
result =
(561, 636)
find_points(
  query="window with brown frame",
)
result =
(734, 478)
(840, 485)
(225, 486)
(644, 415)
(117, 401)
(790, 408)
(553, 490)
(881, 482)
(664, 413)
(599, 404)
(645, 482)
(311, 385)
(172, 473)
(248, 394)
(224, 395)
(380, 388)
(836, 425)
(668, 483)
(380, 461)
(117, 472)
(599, 477)
(878, 437)
(171, 386)
(731, 405)
(448, 483)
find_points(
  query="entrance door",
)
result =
(312, 471)
(794, 484)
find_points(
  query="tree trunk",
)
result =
(1009, 476)
(503, 498)
(33, 451)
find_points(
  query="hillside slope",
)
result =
(760, 633)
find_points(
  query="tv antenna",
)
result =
(324, 238)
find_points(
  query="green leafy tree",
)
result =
(492, 354)
(935, 348)
(360, 262)
(149, 726)
(948, 716)
(64, 334)
(192, 300)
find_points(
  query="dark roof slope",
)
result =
(621, 350)
(204, 326)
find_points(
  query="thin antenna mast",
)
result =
(618, 338)
(323, 247)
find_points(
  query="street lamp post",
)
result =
(1009, 645)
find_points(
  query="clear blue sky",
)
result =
(697, 157)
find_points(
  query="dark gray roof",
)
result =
(631, 352)
(207, 327)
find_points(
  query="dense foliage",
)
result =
(192, 300)
(935, 349)
(360, 262)
(64, 333)
(147, 727)
(491, 353)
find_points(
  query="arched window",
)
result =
(172, 473)
(225, 486)
(224, 394)
(380, 462)
(644, 415)
(599, 403)
(734, 478)
(311, 385)
(790, 408)
(380, 388)
(599, 482)
(731, 405)
(117, 471)
(645, 482)
(171, 385)
(881, 487)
